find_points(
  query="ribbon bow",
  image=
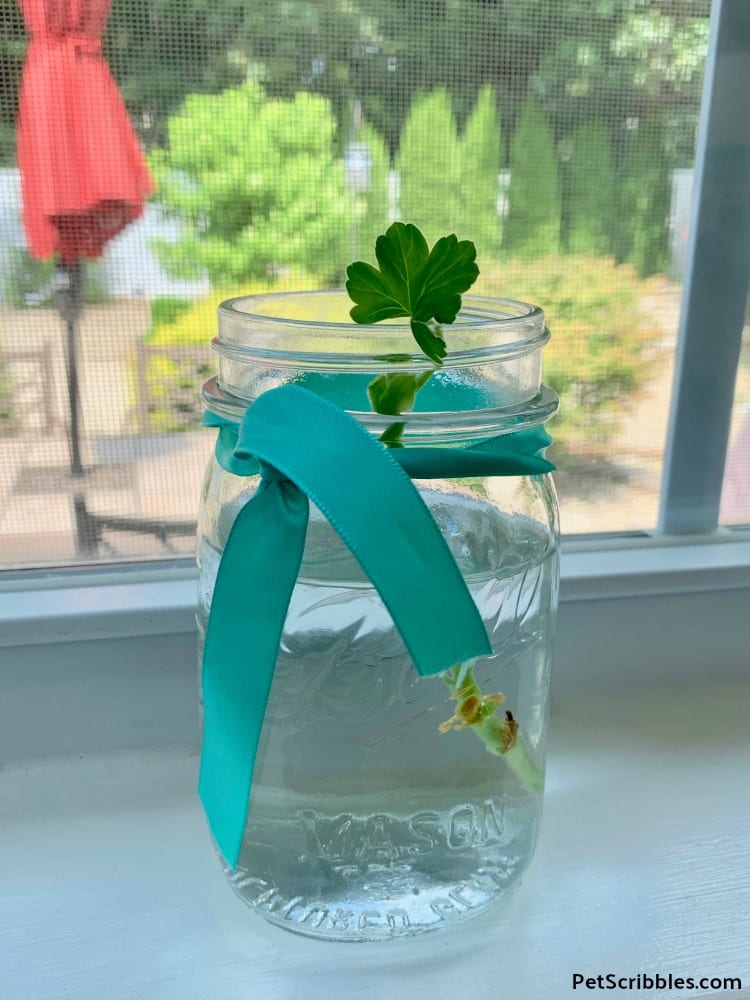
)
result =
(307, 448)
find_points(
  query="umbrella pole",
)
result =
(76, 466)
(70, 304)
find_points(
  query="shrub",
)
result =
(479, 149)
(428, 166)
(28, 281)
(532, 228)
(178, 358)
(166, 309)
(6, 409)
(596, 359)
(257, 186)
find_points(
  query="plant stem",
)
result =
(501, 736)
(391, 436)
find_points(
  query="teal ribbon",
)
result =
(306, 448)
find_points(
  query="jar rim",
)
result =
(503, 327)
(420, 427)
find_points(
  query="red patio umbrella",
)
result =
(83, 174)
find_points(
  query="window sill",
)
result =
(640, 868)
(103, 661)
(640, 864)
(142, 600)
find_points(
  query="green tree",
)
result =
(643, 196)
(660, 52)
(480, 153)
(428, 166)
(304, 44)
(614, 59)
(630, 57)
(610, 59)
(532, 228)
(12, 52)
(590, 209)
(161, 50)
(372, 205)
(256, 185)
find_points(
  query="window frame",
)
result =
(715, 290)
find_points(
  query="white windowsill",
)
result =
(104, 660)
(109, 887)
(120, 602)
(641, 864)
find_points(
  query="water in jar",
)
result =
(366, 821)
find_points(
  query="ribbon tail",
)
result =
(532, 441)
(518, 454)
(253, 588)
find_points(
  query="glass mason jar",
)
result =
(378, 808)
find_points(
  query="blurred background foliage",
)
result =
(284, 135)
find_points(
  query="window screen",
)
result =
(269, 143)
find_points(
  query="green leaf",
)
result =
(365, 286)
(413, 281)
(449, 270)
(393, 393)
(401, 252)
(430, 339)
